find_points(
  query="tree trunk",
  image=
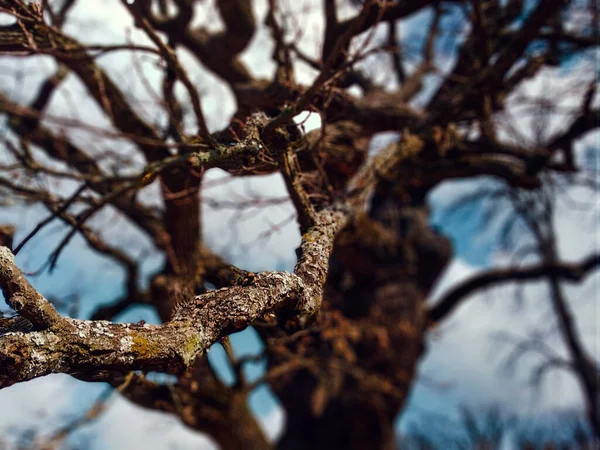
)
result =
(358, 361)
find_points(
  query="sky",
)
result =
(464, 363)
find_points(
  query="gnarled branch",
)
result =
(567, 271)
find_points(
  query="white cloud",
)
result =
(463, 356)
(308, 120)
(456, 272)
(531, 116)
(273, 423)
(126, 426)
(463, 353)
(258, 238)
(43, 396)
(39, 404)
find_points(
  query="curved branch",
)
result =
(567, 271)
(78, 346)
(43, 39)
(218, 52)
(21, 296)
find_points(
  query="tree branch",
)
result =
(21, 297)
(70, 345)
(43, 39)
(567, 271)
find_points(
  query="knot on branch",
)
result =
(21, 297)
(14, 324)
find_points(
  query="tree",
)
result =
(344, 331)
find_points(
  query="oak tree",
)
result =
(343, 332)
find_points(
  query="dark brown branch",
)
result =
(170, 57)
(471, 78)
(56, 147)
(217, 271)
(566, 271)
(326, 73)
(56, 208)
(587, 121)
(109, 312)
(290, 169)
(7, 234)
(58, 17)
(48, 87)
(42, 39)
(218, 52)
(63, 208)
(586, 369)
(384, 11)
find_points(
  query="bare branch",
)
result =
(566, 271)
(21, 297)
(44, 39)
